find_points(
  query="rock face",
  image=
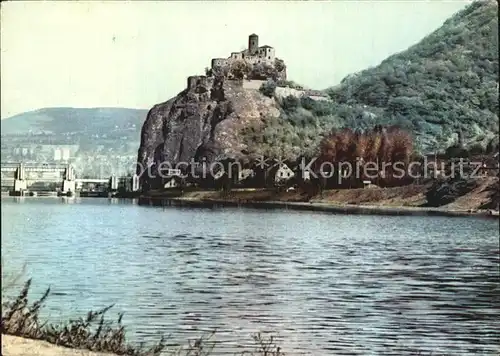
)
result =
(202, 122)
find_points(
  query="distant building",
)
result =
(66, 155)
(174, 172)
(57, 154)
(245, 173)
(173, 182)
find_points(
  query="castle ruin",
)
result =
(253, 54)
(253, 65)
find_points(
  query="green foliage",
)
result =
(476, 149)
(263, 71)
(279, 64)
(456, 151)
(443, 192)
(96, 332)
(288, 136)
(268, 88)
(290, 103)
(240, 69)
(445, 84)
(319, 108)
(92, 333)
(289, 84)
(493, 145)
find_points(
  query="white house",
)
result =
(219, 174)
(368, 184)
(245, 173)
(174, 172)
(171, 183)
(283, 173)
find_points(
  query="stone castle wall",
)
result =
(283, 92)
(196, 80)
(252, 84)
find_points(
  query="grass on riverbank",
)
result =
(96, 333)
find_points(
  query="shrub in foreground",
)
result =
(268, 88)
(96, 333)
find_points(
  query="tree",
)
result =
(456, 151)
(476, 149)
(379, 145)
(268, 88)
(279, 64)
(240, 69)
(290, 103)
(263, 71)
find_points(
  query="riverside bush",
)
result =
(96, 333)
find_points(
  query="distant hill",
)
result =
(443, 87)
(74, 120)
(101, 141)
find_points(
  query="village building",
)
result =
(219, 174)
(368, 184)
(172, 182)
(245, 174)
(283, 173)
(489, 167)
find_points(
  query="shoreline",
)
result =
(22, 346)
(313, 205)
(317, 205)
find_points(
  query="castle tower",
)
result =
(253, 43)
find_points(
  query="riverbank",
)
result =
(318, 206)
(406, 200)
(23, 333)
(19, 346)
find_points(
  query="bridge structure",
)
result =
(19, 177)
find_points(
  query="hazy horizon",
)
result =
(137, 54)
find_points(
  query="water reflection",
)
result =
(68, 200)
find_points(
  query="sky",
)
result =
(136, 54)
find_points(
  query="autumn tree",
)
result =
(379, 145)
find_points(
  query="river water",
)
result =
(324, 284)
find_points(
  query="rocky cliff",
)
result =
(203, 121)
